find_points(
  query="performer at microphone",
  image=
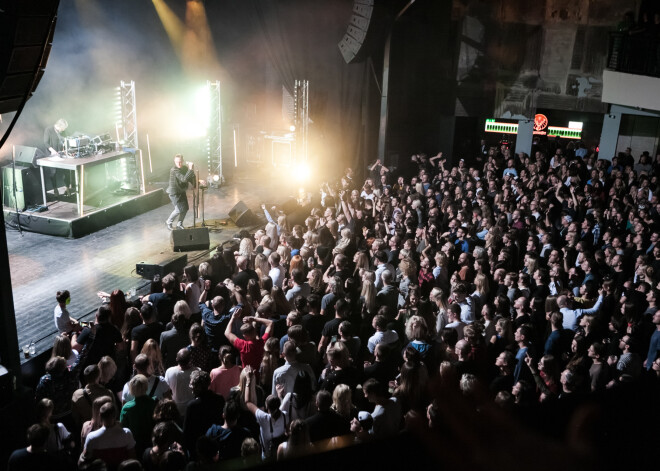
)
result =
(53, 140)
(180, 177)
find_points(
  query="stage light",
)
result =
(302, 172)
(174, 27)
(292, 128)
(193, 116)
(216, 178)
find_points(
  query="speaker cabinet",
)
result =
(196, 238)
(149, 270)
(28, 187)
(27, 156)
(241, 215)
(367, 28)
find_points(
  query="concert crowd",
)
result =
(506, 302)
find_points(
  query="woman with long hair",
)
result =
(269, 363)
(368, 295)
(152, 350)
(261, 265)
(546, 376)
(361, 261)
(95, 422)
(62, 348)
(282, 306)
(411, 385)
(342, 402)
(300, 403)
(315, 280)
(298, 444)
(193, 290)
(503, 336)
(117, 304)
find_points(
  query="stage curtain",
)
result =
(300, 38)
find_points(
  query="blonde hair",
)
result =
(261, 265)
(181, 307)
(152, 350)
(481, 284)
(138, 385)
(408, 267)
(342, 401)
(108, 369)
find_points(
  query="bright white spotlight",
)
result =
(302, 172)
(292, 128)
(216, 177)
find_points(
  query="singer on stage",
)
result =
(180, 176)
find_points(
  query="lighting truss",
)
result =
(214, 135)
(129, 138)
(301, 119)
(129, 114)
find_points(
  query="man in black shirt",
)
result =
(149, 329)
(107, 340)
(244, 273)
(180, 176)
(163, 302)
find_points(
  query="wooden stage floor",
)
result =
(105, 260)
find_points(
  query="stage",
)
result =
(106, 259)
(62, 218)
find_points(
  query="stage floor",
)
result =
(105, 260)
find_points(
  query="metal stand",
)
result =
(127, 104)
(301, 119)
(203, 189)
(214, 136)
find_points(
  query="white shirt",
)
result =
(387, 337)
(62, 319)
(160, 391)
(277, 275)
(571, 316)
(179, 382)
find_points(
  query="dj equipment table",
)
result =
(78, 166)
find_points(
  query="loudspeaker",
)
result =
(26, 36)
(367, 25)
(196, 238)
(174, 264)
(28, 187)
(27, 156)
(241, 215)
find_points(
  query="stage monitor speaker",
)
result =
(174, 264)
(27, 156)
(196, 238)
(28, 187)
(241, 215)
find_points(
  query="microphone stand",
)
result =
(195, 198)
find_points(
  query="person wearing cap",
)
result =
(387, 411)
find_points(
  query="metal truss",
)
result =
(129, 114)
(214, 135)
(301, 119)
